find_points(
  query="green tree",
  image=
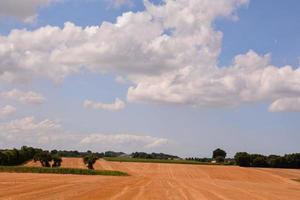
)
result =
(220, 159)
(242, 159)
(90, 160)
(259, 160)
(219, 152)
(44, 158)
(56, 160)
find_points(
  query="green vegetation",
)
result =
(45, 158)
(14, 169)
(179, 161)
(10, 157)
(90, 160)
(162, 156)
(219, 155)
(245, 159)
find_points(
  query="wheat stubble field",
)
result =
(154, 181)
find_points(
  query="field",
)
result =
(154, 181)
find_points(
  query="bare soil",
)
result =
(154, 181)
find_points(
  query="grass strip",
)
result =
(117, 159)
(44, 170)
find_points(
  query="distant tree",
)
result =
(54, 152)
(258, 160)
(90, 160)
(219, 152)
(242, 159)
(56, 160)
(44, 158)
(220, 159)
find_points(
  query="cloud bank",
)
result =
(169, 52)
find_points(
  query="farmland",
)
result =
(154, 181)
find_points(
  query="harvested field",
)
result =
(155, 181)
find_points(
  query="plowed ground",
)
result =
(154, 181)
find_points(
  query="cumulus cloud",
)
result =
(28, 97)
(29, 125)
(34, 132)
(286, 105)
(115, 106)
(7, 110)
(124, 139)
(24, 10)
(49, 133)
(169, 52)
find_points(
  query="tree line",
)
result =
(160, 156)
(245, 159)
(10, 157)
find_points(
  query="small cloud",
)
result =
(120, 3)
(7, 110)
(115, 106)
(285, 105)
(28, 97)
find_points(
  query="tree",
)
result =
(259, 160)
(54, 152)
(90, 160)
(242, 159)
(44, 157)
(56, 160)
(219, 152)
(220, 159)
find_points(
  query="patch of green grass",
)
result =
(120, 159)
(44, 170)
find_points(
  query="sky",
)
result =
(176, 76)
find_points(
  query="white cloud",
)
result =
(33, 132)
(29, 125)
(286, 105)
(28, 97)
(7, 110)
(119, 3)
(169, 52)
(115, 106)
(24, 10)
(124, 139)
(51, 134)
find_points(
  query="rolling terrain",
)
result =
(154, 181)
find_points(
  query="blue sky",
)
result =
(167, 120)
